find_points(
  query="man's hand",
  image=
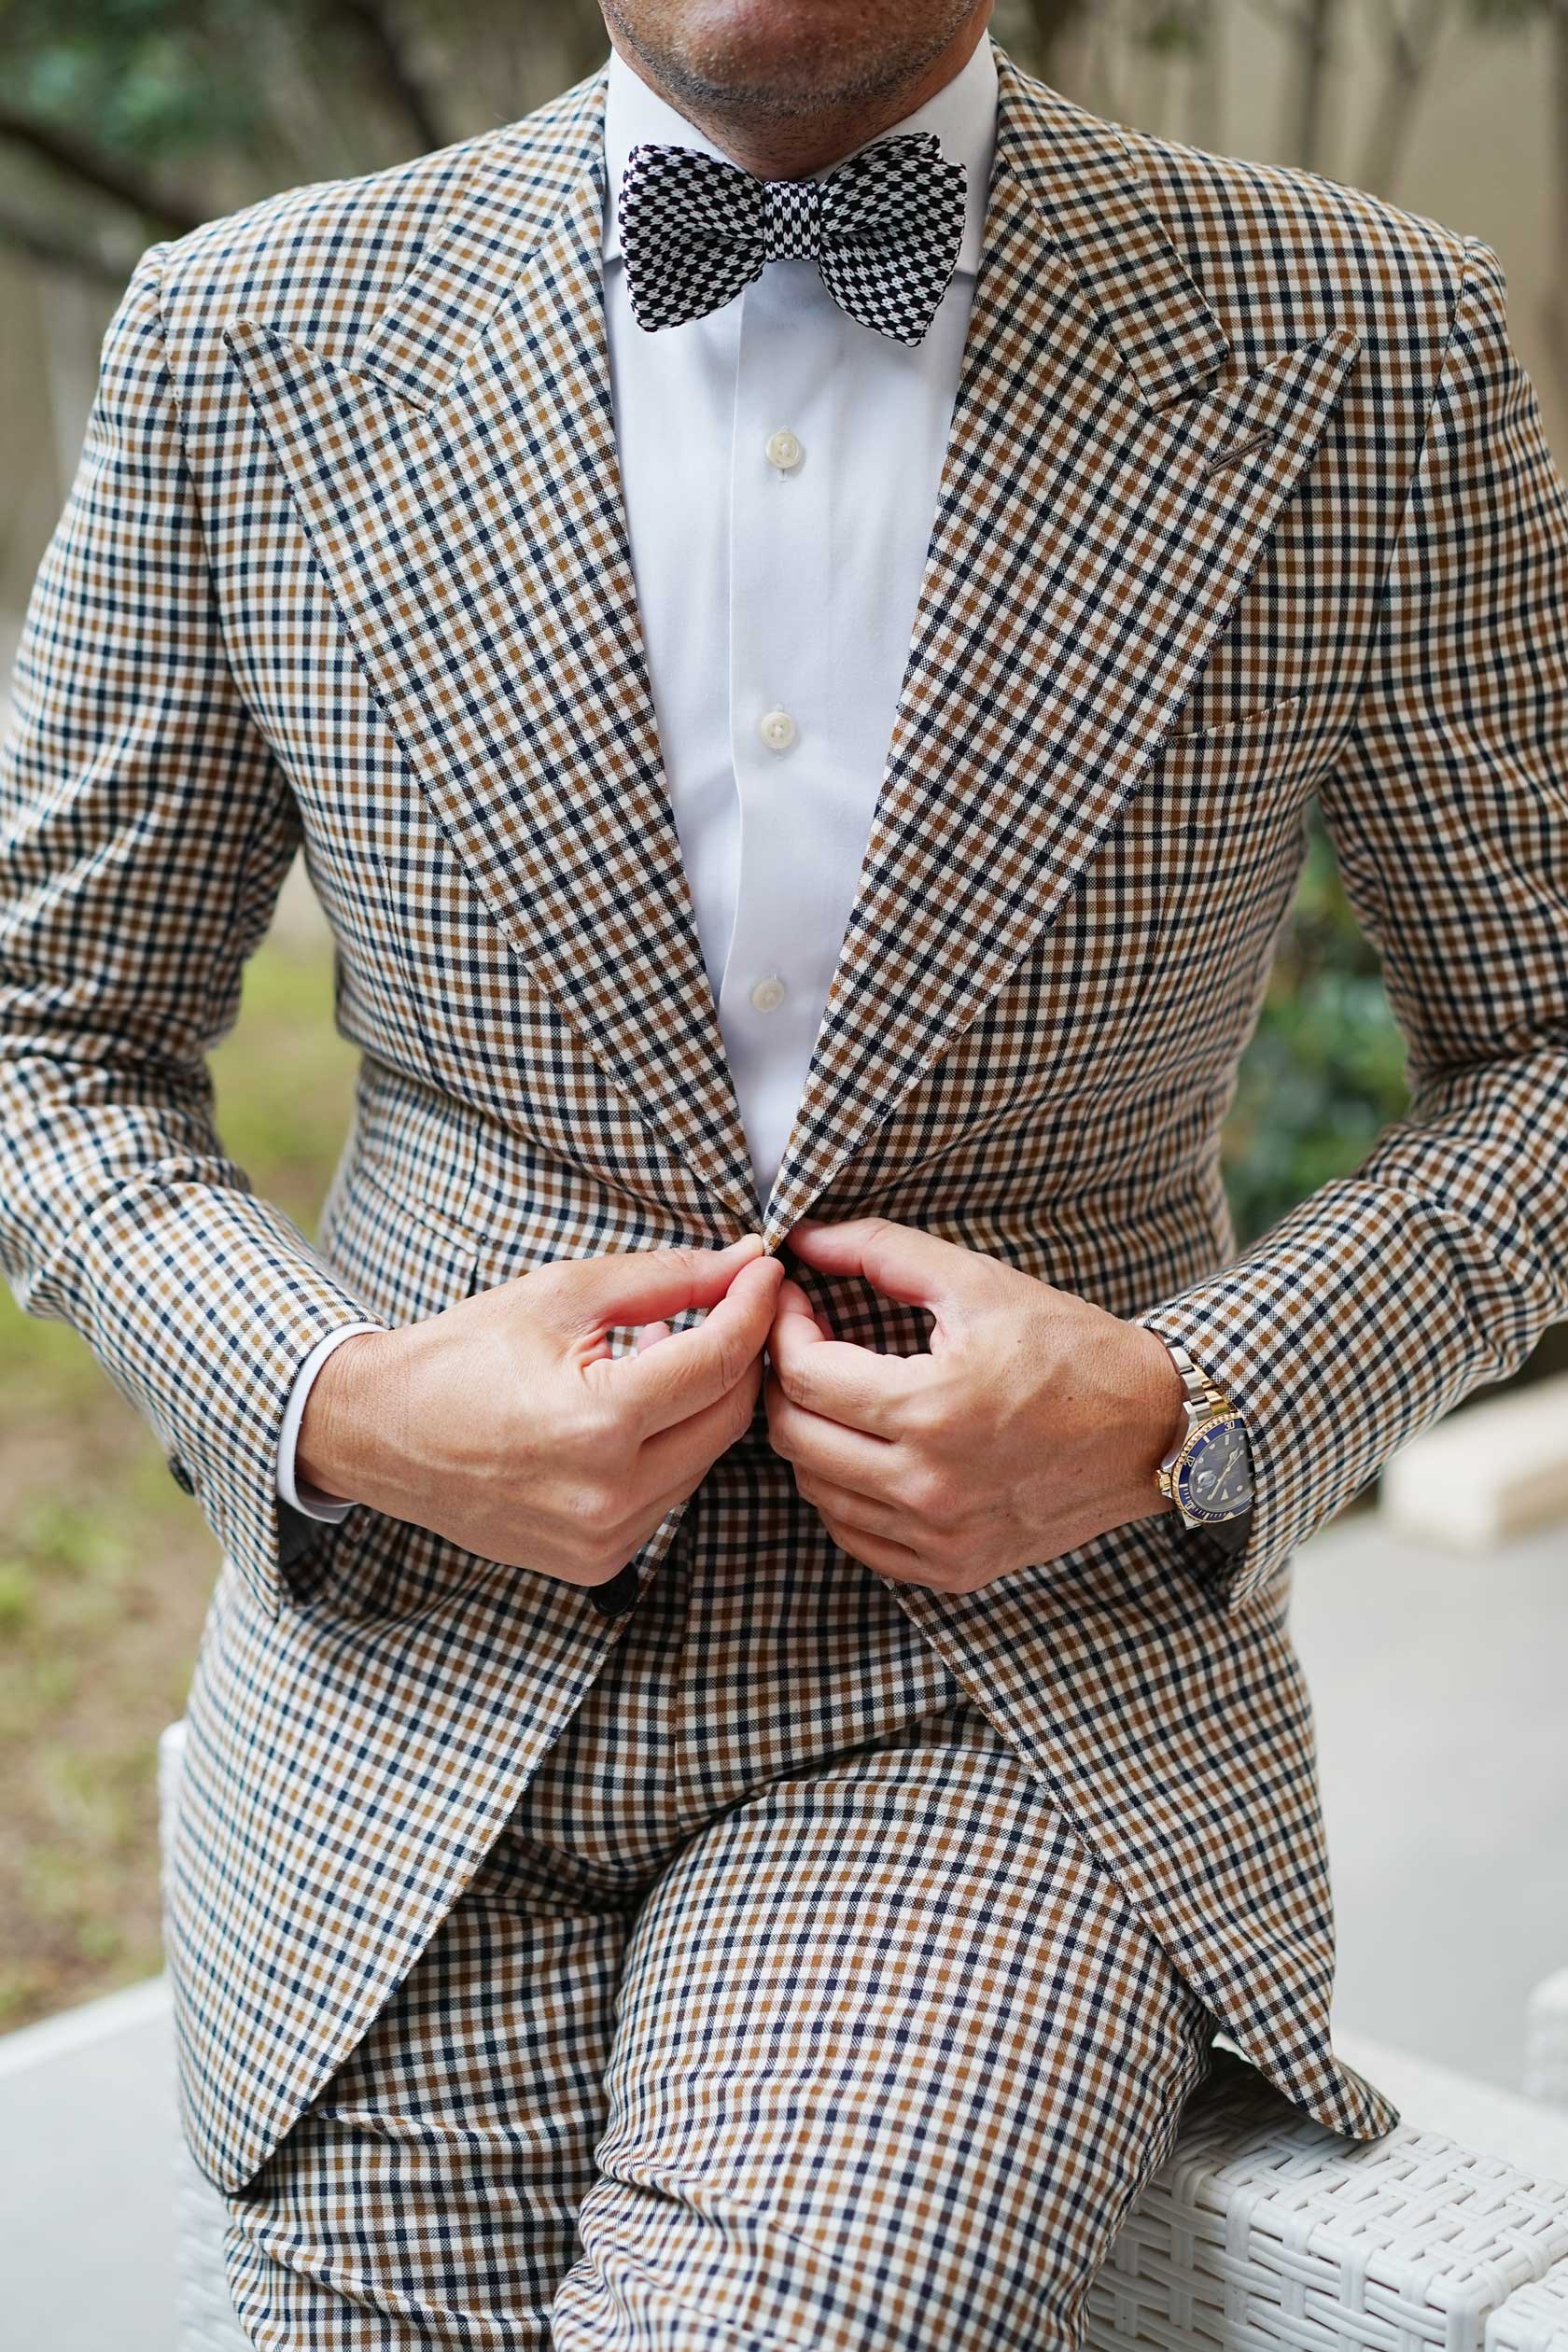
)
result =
(1036, 1421)
(504, 1424)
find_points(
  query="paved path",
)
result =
(1438, 1685)
(87, 2145)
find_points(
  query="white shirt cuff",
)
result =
(309, 1499)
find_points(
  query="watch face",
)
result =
(1215, 1478)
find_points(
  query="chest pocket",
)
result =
(1150, 962)
(1216, 833)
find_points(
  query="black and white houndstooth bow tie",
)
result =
(883, 228)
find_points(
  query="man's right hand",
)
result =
(504, 1424)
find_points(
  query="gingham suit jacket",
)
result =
(1246, 496)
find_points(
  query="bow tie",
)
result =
(883, 228)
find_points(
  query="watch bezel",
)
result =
(1186, 1458)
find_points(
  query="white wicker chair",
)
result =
(1262, 2232)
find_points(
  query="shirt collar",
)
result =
(962, 113)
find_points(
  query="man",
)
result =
(796, 599)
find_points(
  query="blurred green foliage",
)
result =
(1325, 1069)
(154, 78)
(126, 120)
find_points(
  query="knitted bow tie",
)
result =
(883, 228)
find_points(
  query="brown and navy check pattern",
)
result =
(786, 2009)
(1245, 497)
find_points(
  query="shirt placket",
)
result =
(778, 965)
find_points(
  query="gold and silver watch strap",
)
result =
(1204, 1403)
(1203, 1398)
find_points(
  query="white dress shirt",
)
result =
(779, 466)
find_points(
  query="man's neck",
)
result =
(792, 147)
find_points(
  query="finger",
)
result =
(672, 1465)
(848, 1384)
(659, 1386)
(639, 1286)
(674, 1461)
(901, 1261)
(846, 1508)
(792, 1302)
(826, 1448)
(889, 1558)
(651, 1333)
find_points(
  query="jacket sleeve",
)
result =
(1385, 1299)
(145, 834)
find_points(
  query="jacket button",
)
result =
(181, 1475)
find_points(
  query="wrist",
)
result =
(340, 1442)
(1206, 1474)
(1157, 1417)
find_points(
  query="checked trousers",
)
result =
(785, 2012)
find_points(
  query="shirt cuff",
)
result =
(308, 1499)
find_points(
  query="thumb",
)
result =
(643, 1286)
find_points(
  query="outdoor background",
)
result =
(124, 121)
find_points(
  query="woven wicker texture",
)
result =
(1263, 2229)
(1535, 2320)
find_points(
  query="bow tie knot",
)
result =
(793, 219)
(883, 228)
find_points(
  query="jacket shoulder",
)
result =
(1285, 254)
(318, 262)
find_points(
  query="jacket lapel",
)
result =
(458, 484)
(459, 488)
(1082, 561)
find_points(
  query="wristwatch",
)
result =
(1208, 1473)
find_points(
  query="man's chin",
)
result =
(776, 59)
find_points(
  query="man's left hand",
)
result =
(1036, 1420)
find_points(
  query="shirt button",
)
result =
(768, 994)
(784, 449)
(776, 728)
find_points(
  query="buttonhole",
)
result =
(1237, 449)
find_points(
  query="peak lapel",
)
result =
(1082, 564)
(460, 491)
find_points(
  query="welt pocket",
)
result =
(1261, 718)
(373, 1567)
(1242, 781)
(402, 1256)
(400, 1204)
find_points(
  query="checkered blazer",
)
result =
(1246, 497)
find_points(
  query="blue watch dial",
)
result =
(1213, 1480)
